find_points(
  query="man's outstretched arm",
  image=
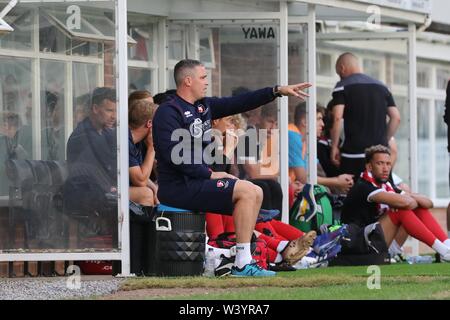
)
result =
(223, 107)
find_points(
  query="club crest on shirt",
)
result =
(222, 184)
(200, 108)
(196, 128)
(188, 114)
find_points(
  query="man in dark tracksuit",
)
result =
(447, 121)
(182, 131)
(363, 103)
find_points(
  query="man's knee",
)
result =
(259, 193)
(245, 190)
(148, 194)
(142, 195)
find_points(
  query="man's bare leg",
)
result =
(424, 235)
(247, 202)
(395, 249)
(390, 230)
(401, 236)
(247, 199)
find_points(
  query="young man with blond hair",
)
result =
(141, 152)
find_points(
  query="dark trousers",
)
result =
(272, 193)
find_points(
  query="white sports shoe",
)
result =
(446, 257)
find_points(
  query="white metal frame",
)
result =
(36, 56)
(410, 36)
(283, 112)
(121, 53)
(312, 100)
(412, 103)
(4, 27)
(122, 125)
(151, 65)
(431, 94)
(414, 17)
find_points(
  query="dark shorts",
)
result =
(215, 196)
(353, 166)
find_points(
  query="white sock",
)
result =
(279, 258)
(282, 245)
(243, 255)
(395, 248)
(440, 248)
(447, 243)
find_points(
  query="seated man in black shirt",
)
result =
(91, 186)
(373, 199)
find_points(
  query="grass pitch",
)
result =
(398, 281)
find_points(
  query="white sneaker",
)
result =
(305, 263)
(446, 257)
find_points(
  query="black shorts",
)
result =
(353, 166)
(215, 196)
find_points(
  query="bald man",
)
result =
(363, 104)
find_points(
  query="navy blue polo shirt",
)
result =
(92, 155)
(181, 158)
(136, 151)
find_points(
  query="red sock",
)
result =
(228, 223)
(286, 230)
(272, 243)
(427, 218)
(413, 225)
(272, 254)
(214, 225)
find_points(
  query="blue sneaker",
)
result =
(333, 252)
(326, 242)
(251, 270)
(320, 261)
(267, 215)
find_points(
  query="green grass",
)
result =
(402, 281)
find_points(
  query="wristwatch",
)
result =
(276, 91)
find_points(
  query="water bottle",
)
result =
(419, 259)
(210, 263)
